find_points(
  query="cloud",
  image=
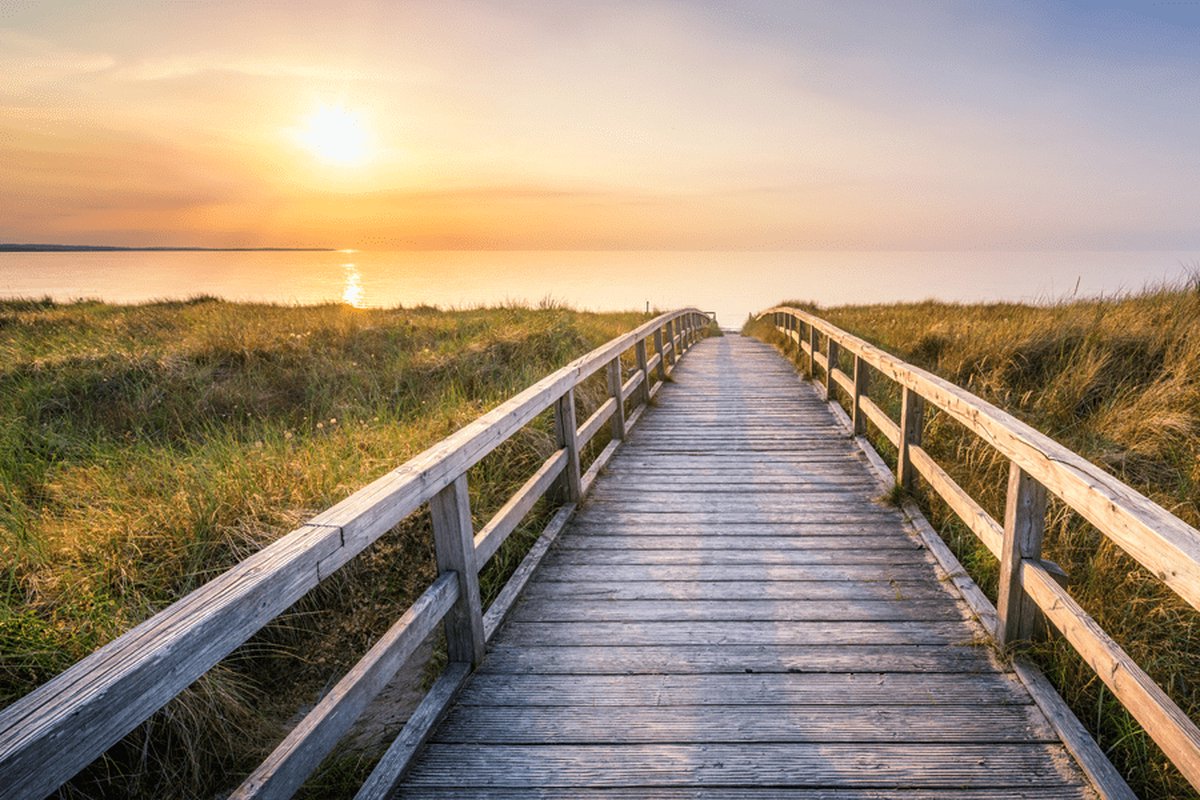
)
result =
(29, 62)
(188, 66)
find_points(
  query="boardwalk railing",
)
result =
(58, 729)
(1160, 541)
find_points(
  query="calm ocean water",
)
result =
(730, 283)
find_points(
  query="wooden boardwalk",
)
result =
(732, 613)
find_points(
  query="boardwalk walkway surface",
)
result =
(732, 613)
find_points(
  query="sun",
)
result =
(336, 136)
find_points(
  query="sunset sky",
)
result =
(524, 125)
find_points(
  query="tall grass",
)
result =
(1116, 380)
(145, 449)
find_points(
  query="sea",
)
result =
(730, 284)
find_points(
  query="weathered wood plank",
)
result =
(741, 632)
(868, 766)
(1024, 526)
(968, 724)
(506, 520)
(914, 589)
(737, 659)
(736, 793)
(789, 557)
(1162, 719)
(450, 511)
(711, 648)
(301, 752)
(781, 539)
(736, 572)
(56, 730)
(1160, 541)
(557, 610)
(990, 533)
(768, 689)
(416, 732)
(595, 422)
(517, 582)
(1091, 759)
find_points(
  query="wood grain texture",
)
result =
(1163, 543)
(301, 752)
(506, 520)
(718, 765)
(731, 608)
(990, 532)
(739, 793)
(49, 735)
(414, 734)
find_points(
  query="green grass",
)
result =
(1116, 380)
(145, 449)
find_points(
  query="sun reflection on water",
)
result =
(352, 292)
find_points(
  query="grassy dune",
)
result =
(144, 449)
(1116, 380)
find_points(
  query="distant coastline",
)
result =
(104, 248)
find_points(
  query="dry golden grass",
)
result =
(145, 449)
(1116, 380)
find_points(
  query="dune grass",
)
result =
(145, 449)
(1116, 380)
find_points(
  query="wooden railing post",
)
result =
(861, 382)
(912, 418)
(614, 390)
(642, 362)
(1024, 527)
(671, 340)
(454, 541)
(661, 367)
(812, 351)
(832, 353)
(565, 430)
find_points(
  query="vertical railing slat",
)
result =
(912, 419)
(565, 431)
(454, 542)
(1024, 527)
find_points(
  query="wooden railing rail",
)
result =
(1029, 586)
(58, 729)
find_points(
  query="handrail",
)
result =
(55, 731)
(1160, 541)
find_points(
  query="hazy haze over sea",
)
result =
(732, 284)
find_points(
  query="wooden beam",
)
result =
(881, 420)
(661, 366)
(302, 751)
(813, 351)
(595, 422)
(990, 532)
(831, 367)
(450, 510)
(912, 420)
(629, 386)
(644, 368)
(566, 433)
(841, 380)
(861, 381)
(1024, 526)
(1160, 541)
(56, 730)
(506, 520)
(1164, 721)
(615, 391)
(414, 734)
